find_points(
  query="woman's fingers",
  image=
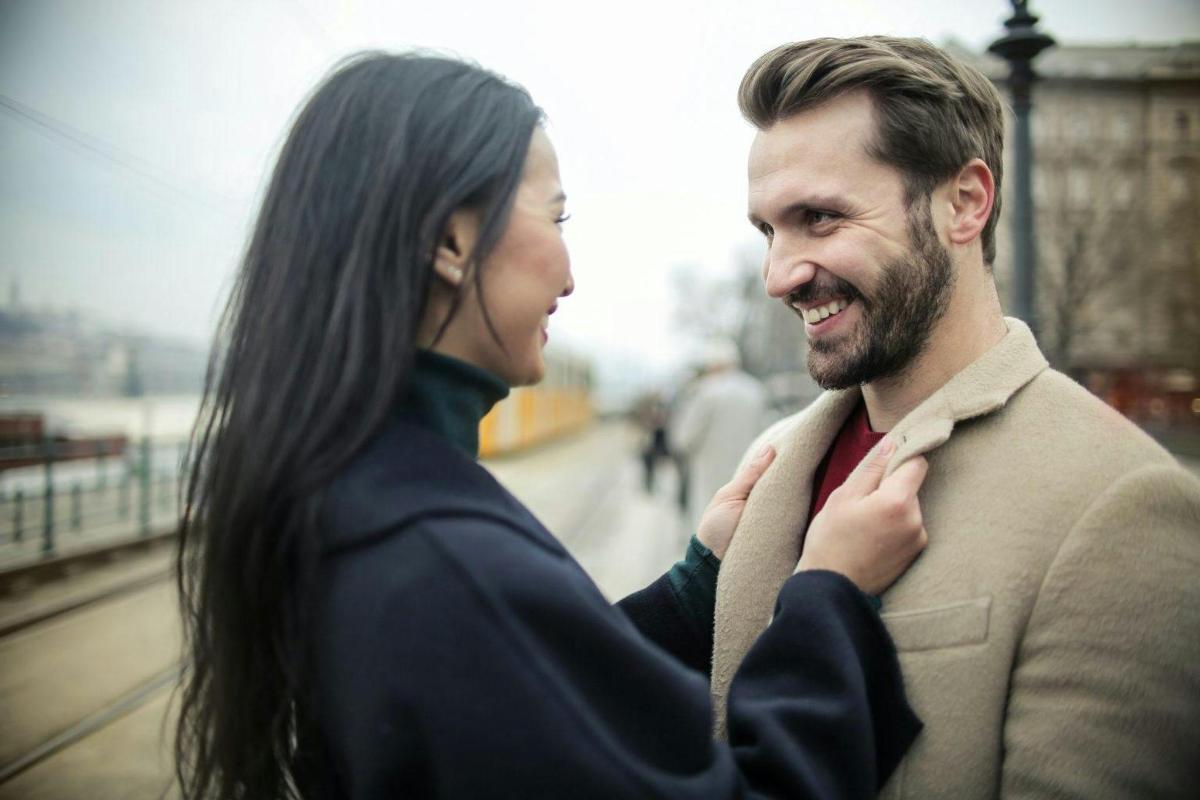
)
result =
(906, 480)
(867, 479)
(870, 536)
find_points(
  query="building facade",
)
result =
(1116, 184)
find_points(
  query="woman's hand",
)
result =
(870, 529)
(723, 512)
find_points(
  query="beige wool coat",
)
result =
(1050, 633)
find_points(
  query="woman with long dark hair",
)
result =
(368, 613)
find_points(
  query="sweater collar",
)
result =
(450, 397)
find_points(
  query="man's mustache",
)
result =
(823, 287)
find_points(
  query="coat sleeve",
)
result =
(1105, 696)
(659, 615)
(523, 682)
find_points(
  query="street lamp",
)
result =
(1019, 47)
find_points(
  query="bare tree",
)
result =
(1100, 274)
(1080, 234)
(768, 335)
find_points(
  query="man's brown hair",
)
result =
(934, 112)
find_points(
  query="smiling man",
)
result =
(1050, 634)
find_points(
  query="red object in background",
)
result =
(23, 443)
(20, 429)
(1158, 397)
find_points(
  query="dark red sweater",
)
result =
(852, 444)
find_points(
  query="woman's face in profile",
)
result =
(523, 278)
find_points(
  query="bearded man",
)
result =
(1050, 634)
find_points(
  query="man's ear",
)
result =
(972, 195)
(454, 248)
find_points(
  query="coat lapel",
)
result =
(766, 548)
(982, 388)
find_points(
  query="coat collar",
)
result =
(408, 473)
(767, 546)
(984, 387)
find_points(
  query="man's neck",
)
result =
(966, 332)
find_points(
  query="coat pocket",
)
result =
(951, 625)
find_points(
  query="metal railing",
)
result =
(54, 499)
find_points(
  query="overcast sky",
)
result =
(135, 134)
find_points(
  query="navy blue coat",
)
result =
(460, 652)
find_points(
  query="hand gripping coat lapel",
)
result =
(766, 547)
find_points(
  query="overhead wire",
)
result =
(96, 147)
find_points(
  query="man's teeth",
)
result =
(815, 315)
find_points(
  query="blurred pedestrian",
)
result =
(369, 614)
(716, 419)
(650, 413)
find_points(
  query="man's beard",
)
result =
(910, 296)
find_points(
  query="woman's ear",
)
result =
(973, 194)
(455, 247)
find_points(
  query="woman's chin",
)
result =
(531, 376)
(532, 372)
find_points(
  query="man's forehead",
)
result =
(812, 178)
(839, 128)
(783, 195)
(818, 153)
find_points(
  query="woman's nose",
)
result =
(570, 287)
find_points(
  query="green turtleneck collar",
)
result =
(450, 397)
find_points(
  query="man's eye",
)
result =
(766, 230)
(814, 217)
(562, 218)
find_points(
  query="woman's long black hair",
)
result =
(316, 345)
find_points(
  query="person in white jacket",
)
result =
(716, 420)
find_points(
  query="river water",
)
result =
(165, 416)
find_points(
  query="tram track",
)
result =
(48, 613)
(91, 724)
(72, 667)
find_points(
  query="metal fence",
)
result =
(54, 500)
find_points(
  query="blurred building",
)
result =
(1116, 185)
(66, 354)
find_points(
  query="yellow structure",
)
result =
(561, 403)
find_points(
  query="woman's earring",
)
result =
(453, 275)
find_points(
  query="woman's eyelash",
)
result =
(563, 218)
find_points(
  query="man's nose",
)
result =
(785, 272)
(570, 287)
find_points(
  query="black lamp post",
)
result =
(1019, 47)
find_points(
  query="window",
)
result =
(1081, 126)
(1038, 128)
(1122, 127)
(1122, 194)
(1183, 125)
(1039, 187)
(1079, 187)
(1178, 186)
